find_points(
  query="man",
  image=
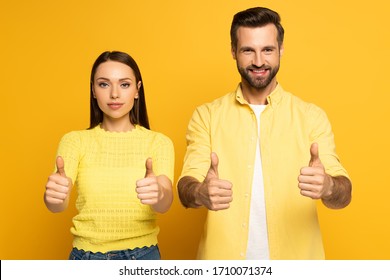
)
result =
(274, 150)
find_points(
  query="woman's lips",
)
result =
(115, 106)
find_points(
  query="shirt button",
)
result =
(241, 254)
(243, 225)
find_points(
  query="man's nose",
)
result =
(258, 59)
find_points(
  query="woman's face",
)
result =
(115, 88)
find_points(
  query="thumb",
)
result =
(213, 171)
(60, 166)
(314, 156)
(149, 168)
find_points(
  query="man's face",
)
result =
(257, 55)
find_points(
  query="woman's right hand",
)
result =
(58, 188)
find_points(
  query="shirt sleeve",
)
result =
(197, 157)
(322, 134)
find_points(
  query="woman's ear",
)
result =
(138, 87)
(93, 91)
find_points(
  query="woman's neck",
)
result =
(115, 125)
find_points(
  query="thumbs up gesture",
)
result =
(58, 188)
(214, 193)
(153, 190)
(148, 191)
(313, 181)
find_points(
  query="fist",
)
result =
(58, 185)
(148, 190)
(313, 182)
(215, 193)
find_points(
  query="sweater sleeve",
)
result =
(69, 149)
(163, 157)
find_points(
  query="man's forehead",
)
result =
(257, 35)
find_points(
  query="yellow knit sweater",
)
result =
(104, 167)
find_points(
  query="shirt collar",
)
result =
(273, 99)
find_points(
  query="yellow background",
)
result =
(336, 56)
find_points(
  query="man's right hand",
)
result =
(214, 193)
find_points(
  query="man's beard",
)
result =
(258, 83)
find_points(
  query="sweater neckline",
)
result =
(101, 130)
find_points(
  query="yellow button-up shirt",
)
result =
(228, 126)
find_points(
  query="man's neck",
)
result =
(257, 96)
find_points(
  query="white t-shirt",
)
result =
(258, 248)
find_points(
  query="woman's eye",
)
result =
(103, 85)
(125, 85)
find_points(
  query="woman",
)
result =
(123, 171)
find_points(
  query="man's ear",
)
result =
(233, 51)
(281, 50)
